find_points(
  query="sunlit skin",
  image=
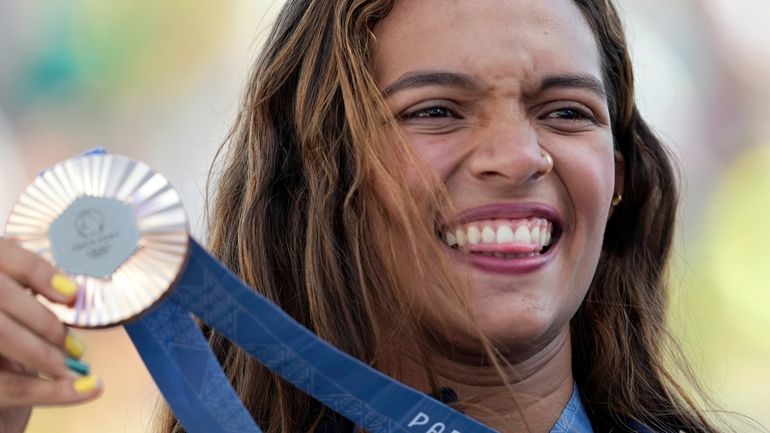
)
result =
(480, 89)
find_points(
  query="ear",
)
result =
(620, 171)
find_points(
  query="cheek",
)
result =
(589, 180)
(439, 154)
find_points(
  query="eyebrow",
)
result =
(586, 82)
(467, 82)
(432, 78)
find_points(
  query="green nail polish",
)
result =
(78, 367)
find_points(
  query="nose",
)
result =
(507, 152)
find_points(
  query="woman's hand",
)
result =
(34, 344)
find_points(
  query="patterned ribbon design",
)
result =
(195, 387)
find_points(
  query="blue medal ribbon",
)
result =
(193, 384)
(187, 373)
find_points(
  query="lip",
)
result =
(511, 211)
(506, 266)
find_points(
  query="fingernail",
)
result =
(73, 346)
(85, 384)
(62, 284)
(78, 367)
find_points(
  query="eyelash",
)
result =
(582, 114)
(578, 113)
(419, 113)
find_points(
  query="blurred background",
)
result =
(160, 82)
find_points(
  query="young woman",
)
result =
(461, 194)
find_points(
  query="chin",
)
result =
(519, 332)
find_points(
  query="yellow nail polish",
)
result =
(64, 285)
(85, 384)
(73, 346)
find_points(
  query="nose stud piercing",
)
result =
(549, 162)
(616, 199)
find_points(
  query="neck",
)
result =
(539, 386)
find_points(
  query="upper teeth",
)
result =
(534, 231)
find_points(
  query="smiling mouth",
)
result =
(511, 239)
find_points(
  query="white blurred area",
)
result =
(12, 172)
(167, 96)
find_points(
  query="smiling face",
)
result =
(482, 90)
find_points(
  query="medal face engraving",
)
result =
(114, 225)
(94, 236)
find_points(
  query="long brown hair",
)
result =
(308, 174)
(622, 349)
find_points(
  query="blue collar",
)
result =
(574, 418)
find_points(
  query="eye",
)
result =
(433, 115)
(572, 113)
(432, 112)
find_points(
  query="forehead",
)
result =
(491, 39)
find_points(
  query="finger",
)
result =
(21, 345)
(12, 366)
(25, 310)
(21, 390)
(36, 273)
(28, 312)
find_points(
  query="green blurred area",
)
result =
(102, 52)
